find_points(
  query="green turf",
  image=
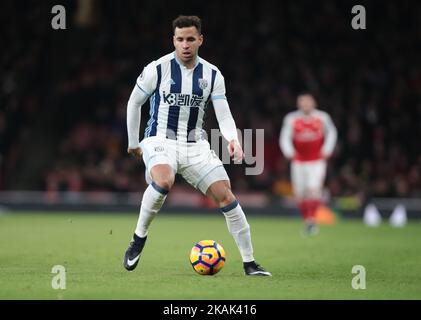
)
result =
(91, 247)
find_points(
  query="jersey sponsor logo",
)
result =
(308, 135)
(182, 99)
(306, 130)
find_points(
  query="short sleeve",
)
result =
(147, 79)
(218, 91)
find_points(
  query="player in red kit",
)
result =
(307, 138)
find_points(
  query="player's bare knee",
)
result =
(163, 176)
(165, 182)
(226, 197)
(221, 193)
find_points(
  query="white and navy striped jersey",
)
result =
(179, 96)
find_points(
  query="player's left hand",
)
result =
(235, 151)
(136, 152)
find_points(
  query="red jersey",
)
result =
(307, 137)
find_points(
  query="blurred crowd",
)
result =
(63, 93)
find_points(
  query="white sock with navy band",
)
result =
(152, 201)
(239, 229)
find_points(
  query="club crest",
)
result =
(203, 83)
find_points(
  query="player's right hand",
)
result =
(235, 151)
(136, 152)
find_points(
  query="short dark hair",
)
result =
(305, 93)
(187, 21)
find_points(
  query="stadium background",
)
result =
(63, 159)
(64, 92)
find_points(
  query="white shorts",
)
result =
(195, 162)
(308, 178)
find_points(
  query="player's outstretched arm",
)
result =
(228, 129)
(136, 100)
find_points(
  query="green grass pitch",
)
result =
(91, 248)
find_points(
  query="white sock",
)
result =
(152, 201)
(239, 229)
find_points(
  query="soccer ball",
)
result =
(207, 257)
